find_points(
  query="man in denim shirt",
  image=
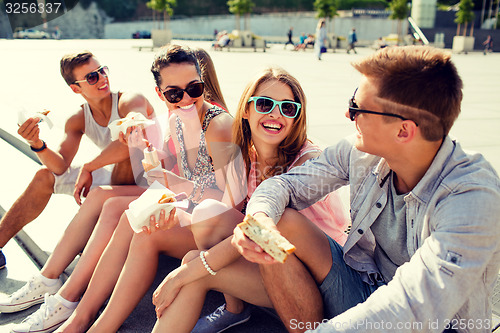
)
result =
(424, 248)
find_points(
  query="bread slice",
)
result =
(269, 240)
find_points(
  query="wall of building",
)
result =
(273, 26)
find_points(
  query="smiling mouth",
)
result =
(187, 107)
(272, 126)
(104, 86)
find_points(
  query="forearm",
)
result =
(217, 257)
(51, 159)
(196, 192)
(115, 152)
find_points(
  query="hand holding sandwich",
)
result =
(273, 249)
(163, 223)
(30, 132)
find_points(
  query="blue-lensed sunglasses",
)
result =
(265, 105)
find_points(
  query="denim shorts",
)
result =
(343, 287)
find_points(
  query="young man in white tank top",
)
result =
(85, 76)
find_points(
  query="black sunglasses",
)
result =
(175, 95)
(93, 77)
(265, 105)
(354, 109)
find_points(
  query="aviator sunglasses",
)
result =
(175, 95)
(354, 109)
(265, 105)
(93, 77)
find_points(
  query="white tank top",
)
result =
(100, 135)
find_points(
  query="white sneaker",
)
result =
(48, 318)
(30, 294)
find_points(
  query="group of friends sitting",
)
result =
(423, 250)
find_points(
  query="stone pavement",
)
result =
(31, 79)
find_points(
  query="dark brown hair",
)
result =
(172, 54)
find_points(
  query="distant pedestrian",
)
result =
(290, 35)
(57, 33)
(320, 44)
(488, 44)
(352, 39)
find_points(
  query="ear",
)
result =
(407, 131)
(245, 114)
(76, 88)
(160, 94)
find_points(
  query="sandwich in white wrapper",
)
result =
(270, 240)
(131, 119)
(23, 115)
(151, 202)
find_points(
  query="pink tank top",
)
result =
(328, 214)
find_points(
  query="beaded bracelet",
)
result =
(204, 261)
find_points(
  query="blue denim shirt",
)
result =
(453, 236)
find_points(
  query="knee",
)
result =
(111, 211)
(291, 223)
(97, 193)
(205, 219)
(44, 179)
(96, 196)
(143, 243)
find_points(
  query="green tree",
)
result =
(163, 6)
(240, 7)
(465, 15)
(399, 12)
(326, 9)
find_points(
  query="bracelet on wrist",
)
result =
(204, 261)
(42, 148)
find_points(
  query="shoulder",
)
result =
(305, 157)
(76, 122)
(129, 101)
(220, 127)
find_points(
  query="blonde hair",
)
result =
(291, 145)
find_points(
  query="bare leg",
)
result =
(110, 216)
(28, 206)
(79, 230)
(292, 286)
(139, 272)
(241, 279)
(209, 232)
(103, 280)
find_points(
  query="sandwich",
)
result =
(270, 240)
(167, 198)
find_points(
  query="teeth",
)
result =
(275, 126)
(186, 107)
